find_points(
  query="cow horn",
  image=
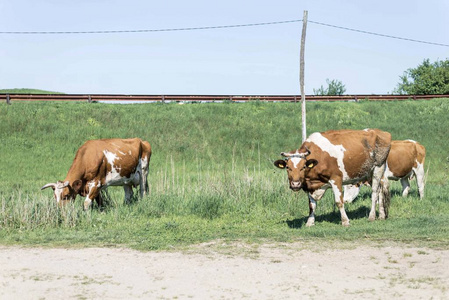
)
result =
(53, 185)
(285, 154)
(308, 151)
(66, 184)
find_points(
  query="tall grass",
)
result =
(210, 173)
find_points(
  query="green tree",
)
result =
(334, 88)
(426, 79)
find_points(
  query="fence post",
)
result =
(8, 100)
(89, 99)
(301, 76)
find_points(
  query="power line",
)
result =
(216, 27)
(149, 30)
(379, 34)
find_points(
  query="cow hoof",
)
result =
(310, 224)
(345, 224)
(372, 217)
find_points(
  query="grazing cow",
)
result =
(335, 158)
(406, 159)
(102, 163)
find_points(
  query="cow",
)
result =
(99, 164)
(405, 161)
(335, 158)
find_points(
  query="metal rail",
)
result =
(205, 98)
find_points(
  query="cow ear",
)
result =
(76, 185)
(280, 163)
(311, 163)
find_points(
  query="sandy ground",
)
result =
(227, 271)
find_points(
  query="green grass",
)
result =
(210, 174)
(26, 91)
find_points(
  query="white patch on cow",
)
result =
(350, 192)
(129, 152)
(335, 189)
(121, 153)
(144, 162)
(295, 161)
(58, 194)
(412, 141)
(87, 203)
(59, 188)
(110, 156)
(113, 177)
(318, 194)
(91, 184)
(420, 181)
(336, 151)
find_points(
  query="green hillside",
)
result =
(211, 174)
(26, 91)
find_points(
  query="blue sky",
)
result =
(246, 60)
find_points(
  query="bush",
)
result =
(334, 88)
(426, 79)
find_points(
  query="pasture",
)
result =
(211, 175)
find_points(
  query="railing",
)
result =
(205, 98)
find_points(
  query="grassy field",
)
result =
(26, 91)
(211, 175)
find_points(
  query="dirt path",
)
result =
(223, 271)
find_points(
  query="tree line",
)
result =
(426, 79)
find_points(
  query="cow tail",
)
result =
(385, 194)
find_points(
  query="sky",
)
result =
(251, 60)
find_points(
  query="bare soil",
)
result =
(220, 270)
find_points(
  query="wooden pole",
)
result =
(301, 76)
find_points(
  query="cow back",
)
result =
(351, 154)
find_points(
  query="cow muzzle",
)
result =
(295, 185)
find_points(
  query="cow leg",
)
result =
(405, 186)
(144, 177)
(128, 193)
(375, 185)
(337, 188)
(384, 198)
(419, 172)
(312, 208)
(99, 200)
(94, 191)
(313, 198)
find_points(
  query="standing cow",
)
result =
(406, 159)
(102, 163)
(335, 158)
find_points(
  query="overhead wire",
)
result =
(219, 27)
(379, 34)
(150, 30)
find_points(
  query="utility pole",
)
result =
(301, 76)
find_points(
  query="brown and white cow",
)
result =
(406, 159)
(102, 163)
(335, 158)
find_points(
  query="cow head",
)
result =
(297, 166)
(63, 191)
